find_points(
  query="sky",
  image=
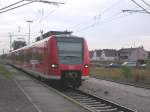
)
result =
(101, 22)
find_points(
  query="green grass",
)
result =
(5, 72)
(127, 75)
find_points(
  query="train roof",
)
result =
(45, 39)
(50, 33)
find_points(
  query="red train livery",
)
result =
(58, 57)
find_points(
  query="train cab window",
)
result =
(70, 50)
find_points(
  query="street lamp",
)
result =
(29, 21)
(10, 39)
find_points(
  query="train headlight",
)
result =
(54, 65)
(86, 65)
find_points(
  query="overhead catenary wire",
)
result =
(46, 1)
(146, 3)
(106, 10)
(135, 10)
(110, 8)
(106, 20)
(42, 15)
(112, 18)
(140, 6)
(131, 11)
(11, 5)
(16, 7)
(24, 35)
(49, 13)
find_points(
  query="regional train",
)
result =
(59, 57)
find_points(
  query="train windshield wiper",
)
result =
(71, 56)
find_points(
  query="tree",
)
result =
(18, 44)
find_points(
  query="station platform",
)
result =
(11, 97)
(23, 94)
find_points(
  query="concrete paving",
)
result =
(130, 96)
(42, 98)
(12, 99)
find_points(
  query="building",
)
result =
(124, 54)
(104, 55)
(132, 54)
(148, 55)
(95, 54)
(109, 55)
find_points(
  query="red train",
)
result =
(59, 57)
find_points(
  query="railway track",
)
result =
(94, 103)
(85, 100)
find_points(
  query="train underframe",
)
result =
(68, 77)
(71, 78)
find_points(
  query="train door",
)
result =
(45, 58)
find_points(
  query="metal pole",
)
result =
(3, 51)
(29, 21)
(10, 37)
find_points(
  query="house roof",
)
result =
(128, 50)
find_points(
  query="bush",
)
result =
(126, 71)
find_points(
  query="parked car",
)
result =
(130, 64)
(142, 66)
(113, 65)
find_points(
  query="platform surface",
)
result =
(12, 99)
(42, 98)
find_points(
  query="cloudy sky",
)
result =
(101, 22)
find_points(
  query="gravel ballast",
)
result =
(129, 96)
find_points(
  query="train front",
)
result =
(72, 60)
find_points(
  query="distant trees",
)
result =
(18, 44)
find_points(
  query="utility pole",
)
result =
(3, 51)
(10, 40)
(29, 21)
(41, 31)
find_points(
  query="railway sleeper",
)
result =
(80, 97)
(92, 104)
(86, 100)
(101, 107)
(77, 95)
(83, 98)
(108, 110)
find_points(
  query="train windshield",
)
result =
(70, 50)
